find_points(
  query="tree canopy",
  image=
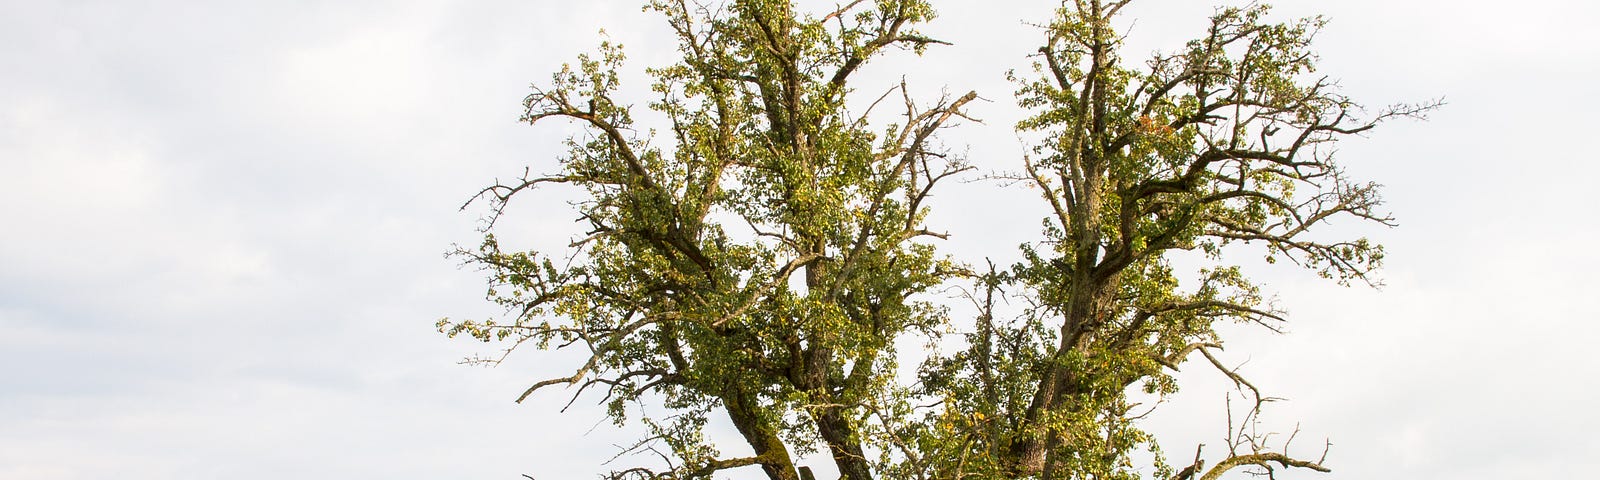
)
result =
(761, 257)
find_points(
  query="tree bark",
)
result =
(773, 454)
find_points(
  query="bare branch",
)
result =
(1262, 459)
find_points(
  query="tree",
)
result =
(763, 263)
(1219, 147)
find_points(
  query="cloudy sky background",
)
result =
(221, 228)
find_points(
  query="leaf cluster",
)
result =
(762, 256)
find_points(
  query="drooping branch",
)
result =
(599, 352)
(1262, 459)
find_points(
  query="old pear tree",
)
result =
(759, 258)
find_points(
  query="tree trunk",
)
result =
(843, 444)
(774, 455)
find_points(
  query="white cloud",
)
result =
(223, 228)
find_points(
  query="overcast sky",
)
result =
(222, 227)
